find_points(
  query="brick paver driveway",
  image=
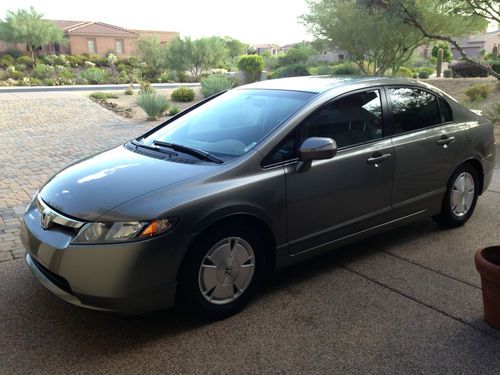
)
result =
(38, 137)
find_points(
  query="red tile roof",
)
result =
(93, 28)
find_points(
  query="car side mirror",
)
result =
(315, 148)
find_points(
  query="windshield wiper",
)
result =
(200, 154)
(139, 144)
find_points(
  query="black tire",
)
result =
(447, 217)
(189, 294)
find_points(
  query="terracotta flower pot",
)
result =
(488, 265)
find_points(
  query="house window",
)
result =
(119, 46)
(341, 57)
(91, 45)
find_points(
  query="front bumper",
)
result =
(133, 277)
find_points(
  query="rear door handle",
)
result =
(378, 158)
(445, 141)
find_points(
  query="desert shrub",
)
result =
(121, 67)
(35, 82)
(103, 95)
(325, 70)
(214, 84)
(129, 91)
(145, 87)
(426, 69)
(495, 65)
(50, 82)
(21, 67)
(404, 72)
(152, 103)
(174, 110)
(466, 69)
(252, 65)
(447, 73)
(423, 74)
(296, 70)
(14, 74)
(24, 60)
(94, 75)
(477, 92)
(43, 71)
(346, 68)
(183, 94)
(6, 60)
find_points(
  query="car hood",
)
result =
(88, 189)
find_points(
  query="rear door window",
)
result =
(413, 109)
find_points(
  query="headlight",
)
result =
(122, 231)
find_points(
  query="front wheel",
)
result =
(461, 197)
(222, 272)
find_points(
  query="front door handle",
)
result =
(445, 141)
(378, 158)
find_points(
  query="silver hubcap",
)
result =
(226, 270)
(462, 194)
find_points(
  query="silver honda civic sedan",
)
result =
(199, 209)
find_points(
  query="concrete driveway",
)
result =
(404, 302)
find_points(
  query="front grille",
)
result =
(55, 279)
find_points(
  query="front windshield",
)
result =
(233, 123)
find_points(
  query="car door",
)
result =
(350, 192)
(426, 144)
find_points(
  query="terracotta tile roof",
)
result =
(93, 28)
(99, 28)
(64, 24)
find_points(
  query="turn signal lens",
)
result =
(156, 227)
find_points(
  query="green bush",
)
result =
(174, 110)
(24, 60)
(466, 69)
(423, 74)
(495, 66)
(404, 72)
(43, 71)
(183, 94)
(35, 82)
(447, 73)
(252, 65)
(103, 95)
(94, 75)
(295, 70)
(427, 69)
(214, 84)
(325, 70)
(477, 92)
(152, 103)
(346, 68)
(16, 75)
(49, 82)
(6, 60)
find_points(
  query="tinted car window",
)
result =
(353, 119)
(445, 111)
(233, 123)
(413, 109)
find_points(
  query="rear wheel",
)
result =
(222, 272)
(460, 198)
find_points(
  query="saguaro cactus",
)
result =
(439, 62)
(494, 53)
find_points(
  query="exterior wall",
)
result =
(494, 40)
(471, 51)
(104, 44)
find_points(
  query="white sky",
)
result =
(251, 21)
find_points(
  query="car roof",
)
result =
(319, 84)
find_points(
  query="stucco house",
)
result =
(273, 49)
(96, 38)
(475, 43)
